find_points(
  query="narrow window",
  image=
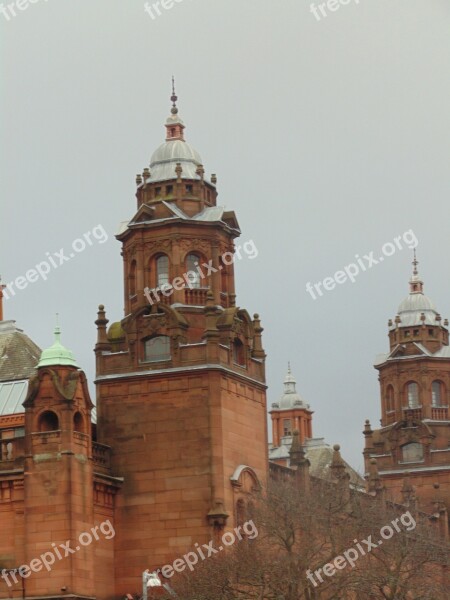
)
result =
(436, 394)
(389, 399)
(192, 263)
(287, 427)
(162, 270)
(132, 278)
(239, 352)
(413, 395)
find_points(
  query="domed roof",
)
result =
(416, 308)
(57, 354)
(290, 399)
(165, 158)
(416, 302)
(174, 150)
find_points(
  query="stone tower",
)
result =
(181, 378)
(58, 478)
(412, 447)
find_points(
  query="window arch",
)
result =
(238, 352)
(78, 422)
(412, 452)
(413, 394)
(132, 278)
(437, 393)
(390, 405)
(48, 421)
(193, 275)
(157, 348)
(162, 270)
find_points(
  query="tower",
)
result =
(58, 479)
(413, 443)
(181, 378)
(289, 414)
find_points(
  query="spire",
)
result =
(415, 283)
(174, 124)
(289, 381)
(174, 98)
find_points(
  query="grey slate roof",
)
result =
(18, 354)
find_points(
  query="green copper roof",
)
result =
(57, 354)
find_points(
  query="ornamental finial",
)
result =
(415, 264)
(174, 98)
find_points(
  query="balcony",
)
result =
(415, 413)
(439, 413)
(101, 457)
(11, 451)
(195, 296)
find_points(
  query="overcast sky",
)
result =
(330, 138)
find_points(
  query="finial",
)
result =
(174, 98)
(289, 367)
(57, 329)
(415, 263)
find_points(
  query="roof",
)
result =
(320, 456)
(57, 354)
(19, 355)
(165, 158)
(12, 396)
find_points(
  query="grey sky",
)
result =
(329, 139)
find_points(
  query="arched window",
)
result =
(287, 427)
(48, 421)
(413, 394)
(390, 407)
(412, 452)
(157, 348)
(192, 262)
(162, 270)
(238, 352)
(437, 393)
(240, 512)
(132, 278)
(78, 422)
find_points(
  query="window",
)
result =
(192, 262)
(412, 452)
(239, 353)
(169, 190)
(431, 332)
(132, 279)
(78, 422)
(406, 334)
(157, 191)
(189, 189)
(157, 349)
(390, 399)
(416, 332)
(413, 395)
(48, 421)
(162, 270)
(436, 393)
(287, 427)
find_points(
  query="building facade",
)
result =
(412, 447)
(180, 443)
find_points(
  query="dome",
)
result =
(165, 158)
(174, 150)
(416, 308)
(416, 302)
(57, 355)
(290, 399)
